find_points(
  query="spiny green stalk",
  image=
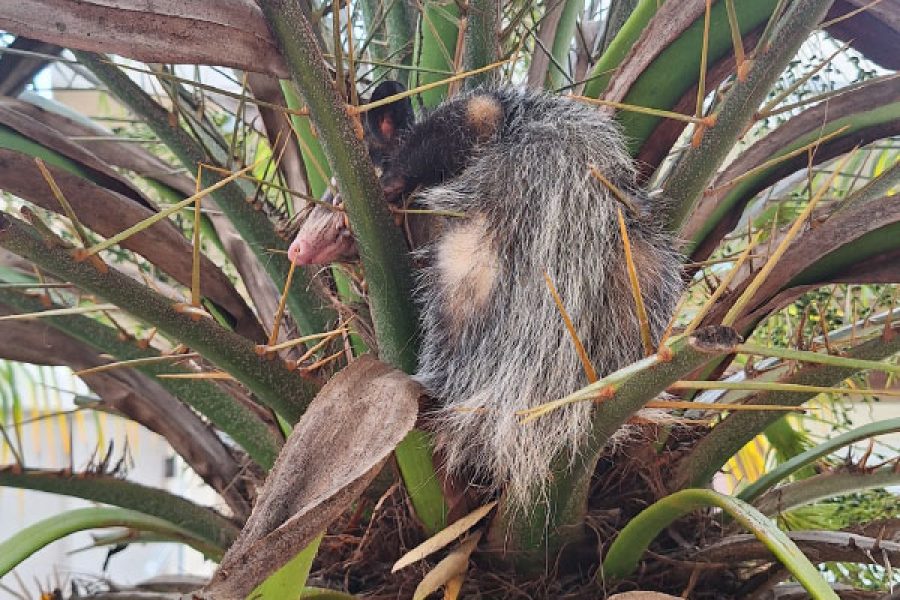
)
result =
(238, 421)
(199, 520)
(698, 164)
(736, 430)
(481, 44)
(381, 246)
(310, 312)
(286, 392)
(401, 26)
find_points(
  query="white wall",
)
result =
(45, 444)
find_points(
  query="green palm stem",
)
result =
(699, 163)
(737, 429)
(382, 249)
(309, 311)
(286, 392)
(201, 521)
(238, 421)
(557, 77)
(481, 43)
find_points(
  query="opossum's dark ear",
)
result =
(388, 122)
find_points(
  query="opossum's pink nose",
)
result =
(301, 252)
(316, 251)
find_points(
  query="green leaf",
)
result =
(201, 522)
(436, 47)
(829, 446)
(624, 554)
(35, 537)
(287, 583)
(824, 486)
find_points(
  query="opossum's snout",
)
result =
(324, 238)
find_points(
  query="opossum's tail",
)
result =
(494, 342)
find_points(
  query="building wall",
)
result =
(45, 442)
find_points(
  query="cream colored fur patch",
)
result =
(483, 115)
(468, 268)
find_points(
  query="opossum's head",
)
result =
(325, 235)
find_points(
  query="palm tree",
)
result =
(779, 181)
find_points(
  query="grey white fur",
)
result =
(494, 342)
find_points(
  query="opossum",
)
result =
(518, 165)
